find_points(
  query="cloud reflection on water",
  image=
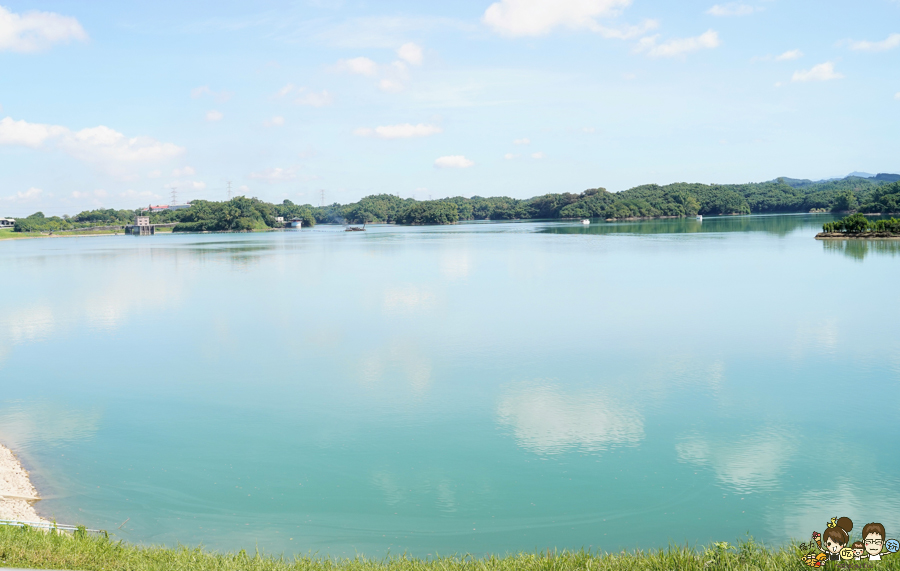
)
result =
(546, 419)
(750, 464)
(46, 424)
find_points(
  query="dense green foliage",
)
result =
(885, 199)
(37, 222)
(857, 223)
(22, 547)
(647, 201)
(429, 212)
(238, 214)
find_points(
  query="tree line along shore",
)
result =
(864, 195)
(24, 547)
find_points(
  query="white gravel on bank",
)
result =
(17, 495)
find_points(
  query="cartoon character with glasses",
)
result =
(873, 535)
(876, 546)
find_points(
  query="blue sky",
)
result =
(113, 104)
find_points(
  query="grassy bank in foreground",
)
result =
(31, 548)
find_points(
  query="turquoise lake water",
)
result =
(480, 388)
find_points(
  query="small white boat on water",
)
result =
(585, 221)
(700, 218)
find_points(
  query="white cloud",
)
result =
(198, 185)
(588, 129)
(30, 194)
(99, 145)
(27, 134)
(539, 155)
(358, 66)
(214, 115)
(539, 17)
(274, 175)
(99, 193)
(523, 141)
(390, 85)
(453, 162)
(220, 96)
(822, 72)
(315, 99)
(131, 193)
(403, 131)
(789, 55)
(549, 420)
(186, 171)
(890, 43)
(509, 156)
(35, 31)
(897, 96)
(410, 53)
(678, 46)
(732, 9)
(154, 174)
(276, 121)
(284, 90)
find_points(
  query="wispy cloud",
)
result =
(37, 31)
(381, 32)
(522, 141)
(733, 9)
(276, 121)
(204, 90)
(275, 174)
(411, 53)
(517, 18)
(358, 66)
(402, 131)
(891, 42)
(214, 115)
(184, 171)
(453, 162)
(789, 55)
(822, 72)
(27, 196)
(314, 99)
(679, 46)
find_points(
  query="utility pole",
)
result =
(174, 195)
(229, 191)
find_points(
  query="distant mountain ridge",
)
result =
(805, 182)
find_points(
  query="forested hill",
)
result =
(679, 199)
(868, 195)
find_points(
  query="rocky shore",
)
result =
(17, 494)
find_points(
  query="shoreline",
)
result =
(17, 493)
(856, 236)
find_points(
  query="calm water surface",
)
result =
(480, 388)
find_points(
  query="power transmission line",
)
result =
(229, 190)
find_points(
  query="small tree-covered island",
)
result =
(877, 195)
(858, 226)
